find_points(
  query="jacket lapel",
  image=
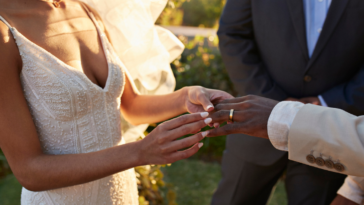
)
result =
(332, 19)
(298, 18)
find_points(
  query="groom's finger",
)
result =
(238, 99)
(225, 130)
(224, 116)
(228, 106)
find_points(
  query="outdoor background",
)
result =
(192, 181)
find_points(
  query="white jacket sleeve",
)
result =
(280, 121)
(329, 139)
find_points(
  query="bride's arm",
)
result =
(140, 109)
(37, 171)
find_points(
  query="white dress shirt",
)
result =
(279, 123)
(315, 15)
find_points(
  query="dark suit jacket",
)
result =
(264, 48)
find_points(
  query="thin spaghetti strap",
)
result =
(89, 12)
(93, 19)
(5, 22)
(85, 7)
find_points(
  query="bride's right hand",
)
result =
(161, 145)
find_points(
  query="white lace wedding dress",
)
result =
(73, 115)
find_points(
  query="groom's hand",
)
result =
(306, 100)
(200, 99)
(251, 114)
(340, 200)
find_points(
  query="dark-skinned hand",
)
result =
(340, 200)
(306, 100)
(310, 100)
(251, 114)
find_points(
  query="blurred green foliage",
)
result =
(201, 64)
(202, 13)
(199, 13)
(150, 180)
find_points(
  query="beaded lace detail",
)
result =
(74, 115)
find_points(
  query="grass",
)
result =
(194, 181)
(279, 195)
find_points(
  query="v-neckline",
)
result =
(71, 68)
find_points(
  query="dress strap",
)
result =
(90, 14)
(94, 20)
(5, 22)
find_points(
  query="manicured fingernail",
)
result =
(216, 125)
(200, 145)
(208, 107)
(207, 120)
(204, 134)
(204, 114)
(210, 124)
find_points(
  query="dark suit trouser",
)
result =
(245, 183)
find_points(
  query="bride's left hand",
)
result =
(200, 99)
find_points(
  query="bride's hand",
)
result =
(200, 99)
(251, 114)
(161, 145)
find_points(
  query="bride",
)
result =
(63, 90)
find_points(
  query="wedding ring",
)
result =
(231, 115)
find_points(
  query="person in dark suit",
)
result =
(306, 50)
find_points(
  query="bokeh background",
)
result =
(192, 181)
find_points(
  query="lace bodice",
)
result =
(74, 115)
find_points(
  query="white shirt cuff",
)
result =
(322, 101)
(280, 121)
(353, 189)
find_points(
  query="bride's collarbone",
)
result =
(75, 41)
(68, 33)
